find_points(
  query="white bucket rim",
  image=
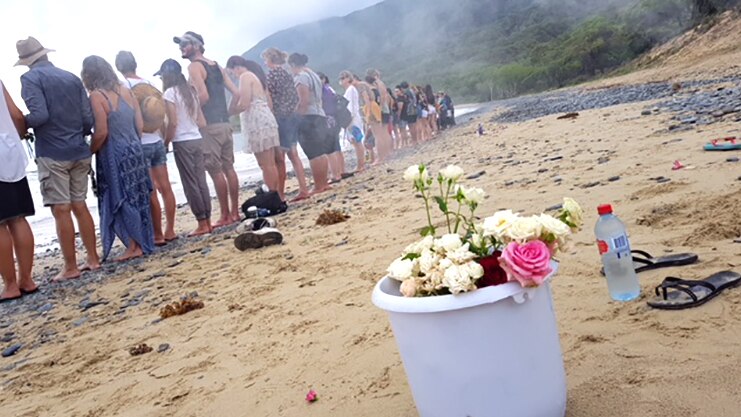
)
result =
(400, 304)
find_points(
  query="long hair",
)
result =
(430, 94)
(97, 73)
(187, 92)
(251, 66)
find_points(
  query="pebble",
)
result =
(732, 159)
(12, 350)
(7, 337)
(591, 184)
(90, 304)
(164, 347)
(79, 322)
(646, 113)
(476, 175)
(613, 179)
(45, 308)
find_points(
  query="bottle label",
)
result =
(618, 244)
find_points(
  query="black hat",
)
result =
(189, 37)
(169, 66)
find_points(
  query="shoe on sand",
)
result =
(256, 239)
(256, 224)
(678, 294)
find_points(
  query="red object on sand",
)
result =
(677, 165)
(311, 396)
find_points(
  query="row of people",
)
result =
(289, 105)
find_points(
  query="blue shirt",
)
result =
(59, 112)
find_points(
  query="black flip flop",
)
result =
(5, 300)
(692, 293)
(24, 292)
(643, 261)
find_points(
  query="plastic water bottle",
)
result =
(614, 247)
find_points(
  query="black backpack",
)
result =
(270, 201)
(342, 116)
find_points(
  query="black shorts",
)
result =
(334, 136)
(409, 119)
(16, 200)
(313, 136)
(385, 118)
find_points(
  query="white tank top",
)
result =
(13, 160)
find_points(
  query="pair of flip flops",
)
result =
(723, 144)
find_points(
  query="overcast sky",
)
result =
(78, 28)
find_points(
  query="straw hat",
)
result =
(29, 50)
(152, 106)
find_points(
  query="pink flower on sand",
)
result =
(311, 396)
(529, 264)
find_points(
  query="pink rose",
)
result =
(529, 264)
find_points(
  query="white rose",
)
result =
(449, 242)
(477, 240)
(474, 269)
(575, 212)
(420, 246)
(461, 255)
(497, 224)
(413, 174)
(428, 261)
(401, 269)
(452, 172)
(524, 229)
(473, 194)
(445, 263)
(409, 287)
(457, 279)
(553, 225)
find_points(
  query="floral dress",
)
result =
(259, 127)
(123, 183)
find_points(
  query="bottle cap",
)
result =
(252, 209)
(603, 209)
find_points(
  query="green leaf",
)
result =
(442, 204)
(411, 256)
(428, 231)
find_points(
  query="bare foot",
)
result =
(90, 267)
(130, 254)
(199, 232)
(236, 218)
(223, 222)
(170, 236)
(320, 190)
(10, 295)
(300, 197)
(65, 275)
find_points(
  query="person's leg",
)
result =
(133, 250)
(7, 265)
(383, 141)
(359, 154)
(319, 170)
(66, 236)
(280, 166)
(266, 162)
(161, 180)
(87, 233)
(156, 210)
(212, 162)
(298, 169)
(223, 133)
(23, 244)
(78, 194)
(189, 161)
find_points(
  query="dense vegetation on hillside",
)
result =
(488, 49)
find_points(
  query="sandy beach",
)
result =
(281, 320)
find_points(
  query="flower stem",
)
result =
(447, 214)
(458, 218)
(427, 208)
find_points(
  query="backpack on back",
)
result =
(342, 116)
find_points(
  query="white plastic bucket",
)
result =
(491, 352)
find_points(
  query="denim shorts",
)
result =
(155, 154)
(288, 130)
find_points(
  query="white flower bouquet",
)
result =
(504, 247)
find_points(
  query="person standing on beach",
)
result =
(184, 117)
(312, 128)
(354, 133)
(124, 185)
(259, 127)
(60, 116)
(209, 80)
(377, 123)
(15, 233)
(285, 99)
(155, 151)
(409, 110)
(329, 105)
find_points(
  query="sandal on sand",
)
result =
(643, 261)
(716, 145)
(692, 293)
(256, 239)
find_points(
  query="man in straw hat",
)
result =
(60, 115)
(209, 79)
(155, 153)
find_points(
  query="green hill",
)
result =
(482, 49)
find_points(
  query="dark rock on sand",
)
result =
(613, 179)
(12, 350)
(164, 347)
